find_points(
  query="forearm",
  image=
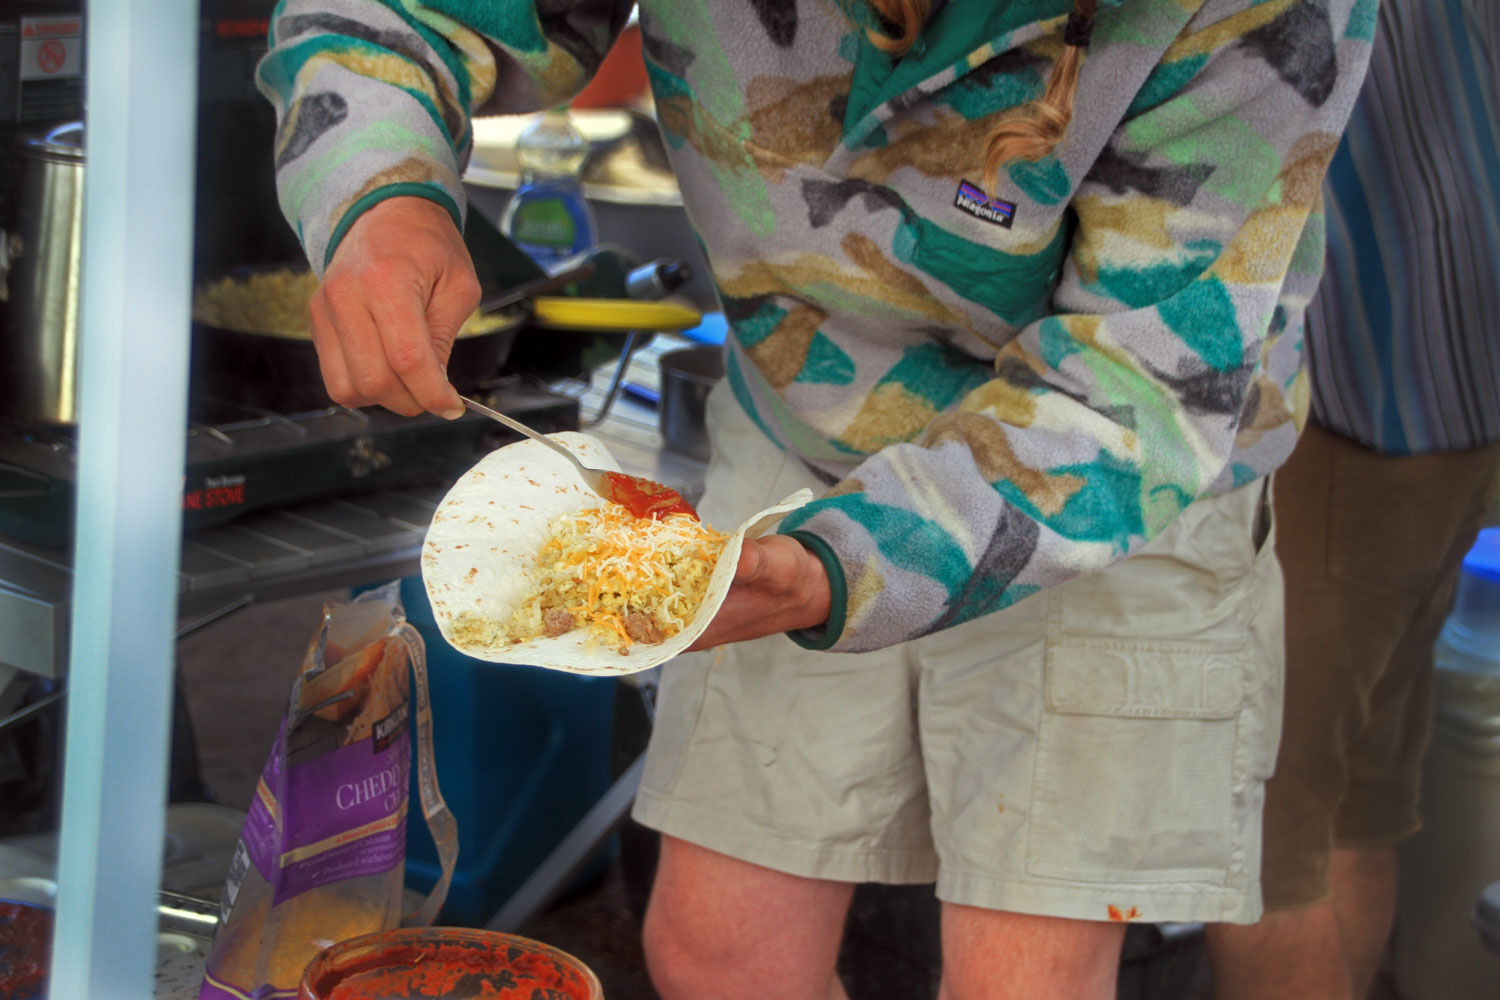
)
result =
(368, 107)
(374, 97)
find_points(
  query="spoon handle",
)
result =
(593, 477)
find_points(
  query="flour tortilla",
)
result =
(481, 551)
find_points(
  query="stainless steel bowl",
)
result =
(687, 374)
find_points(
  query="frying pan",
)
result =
(281, 374)
(548, 338)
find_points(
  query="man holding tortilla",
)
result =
(1017, 287)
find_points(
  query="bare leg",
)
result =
(718, 928)
(1292, 954)
(990, 955)
(1364, 900)
(1329, 949)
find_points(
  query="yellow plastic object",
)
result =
(558, 313)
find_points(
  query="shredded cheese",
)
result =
(604, 564)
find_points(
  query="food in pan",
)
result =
(525, 564)
(274, 302)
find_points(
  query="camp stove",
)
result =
(240, 459)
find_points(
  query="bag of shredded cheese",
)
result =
(524, 564)
(321, 856)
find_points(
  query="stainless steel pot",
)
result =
(39, 280)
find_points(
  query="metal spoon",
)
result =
(594, 478)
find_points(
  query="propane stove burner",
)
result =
(241, 459)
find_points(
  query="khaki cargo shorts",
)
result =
(1097, 751)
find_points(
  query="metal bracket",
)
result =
(21, 715)
(615, 383)
(568, 858)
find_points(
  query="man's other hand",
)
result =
(778, 586)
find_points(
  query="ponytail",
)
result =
(1034, 131)
(906, 16)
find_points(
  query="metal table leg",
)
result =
(137, 272)
(568, 857)
(605, 817)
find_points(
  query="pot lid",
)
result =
(65, 142)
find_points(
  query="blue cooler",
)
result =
(522, 753)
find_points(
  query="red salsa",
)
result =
(644, 498)
(26, 944)
(498, 973)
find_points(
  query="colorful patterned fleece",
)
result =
(1008, 388)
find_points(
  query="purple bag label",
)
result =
(345, 789)
(348, 810)
(259, 832)
(370, 851)
(271, 773)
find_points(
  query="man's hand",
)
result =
(384, 320)
(778, 586)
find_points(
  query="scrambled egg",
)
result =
(623, 578)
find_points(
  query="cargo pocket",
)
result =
(1136, 759)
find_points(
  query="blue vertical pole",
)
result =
(137, 260)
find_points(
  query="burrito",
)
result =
(525, 564)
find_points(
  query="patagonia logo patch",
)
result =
(972, 199)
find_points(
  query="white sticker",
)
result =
(51, 47)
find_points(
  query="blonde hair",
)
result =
(906, 16)
(1035, 130)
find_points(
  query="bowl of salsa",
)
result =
(457, 963)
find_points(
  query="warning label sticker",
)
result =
(51, 48)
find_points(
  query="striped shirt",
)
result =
(1403, 339)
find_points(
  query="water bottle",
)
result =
(548, 216)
